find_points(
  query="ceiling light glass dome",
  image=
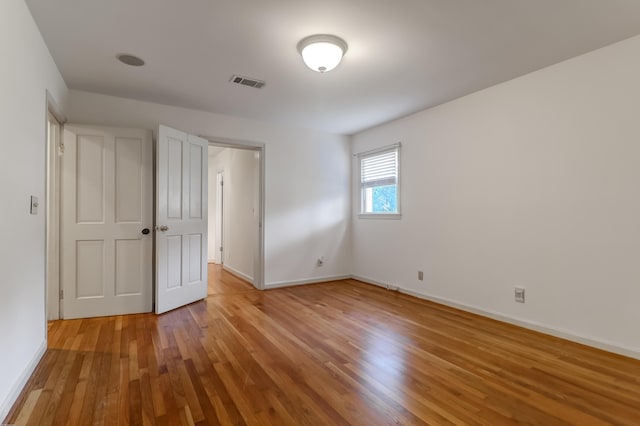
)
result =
(322, 52)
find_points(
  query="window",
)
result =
(379, 183)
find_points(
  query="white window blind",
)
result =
(379, 169)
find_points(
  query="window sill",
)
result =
(395, 216)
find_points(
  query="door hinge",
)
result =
(61, 149)
(220, 248)
(61, 294)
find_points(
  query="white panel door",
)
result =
(181, 219)
(107, 216)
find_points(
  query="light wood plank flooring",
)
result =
(334, 353)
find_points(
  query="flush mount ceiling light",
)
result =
(128, 59)
(322, 52)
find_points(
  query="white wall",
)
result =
(241, 191)
(307, 180)
(535, 183)
(27, 72)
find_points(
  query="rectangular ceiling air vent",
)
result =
(258, 84)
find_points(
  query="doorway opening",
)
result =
(236, 212)
(241, 212)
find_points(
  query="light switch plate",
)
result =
(34, 204)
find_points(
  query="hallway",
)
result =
(222, 282)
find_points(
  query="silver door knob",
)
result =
(163, 228)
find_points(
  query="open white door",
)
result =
(107, 216)
(181, 219)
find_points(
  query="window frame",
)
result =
(367, 154)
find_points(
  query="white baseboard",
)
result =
(369, 281)
(14, 393)
(293, 283)
(237, 273)
(530, 325)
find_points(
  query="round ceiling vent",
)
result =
(128, 59)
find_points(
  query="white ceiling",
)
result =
(404, 55)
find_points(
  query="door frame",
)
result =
(260, 148)
(52, 218)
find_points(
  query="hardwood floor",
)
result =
(334, 353)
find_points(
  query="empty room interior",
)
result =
(342, 212)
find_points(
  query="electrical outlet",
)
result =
(320, 261)
(519, 294)
(420, 275)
